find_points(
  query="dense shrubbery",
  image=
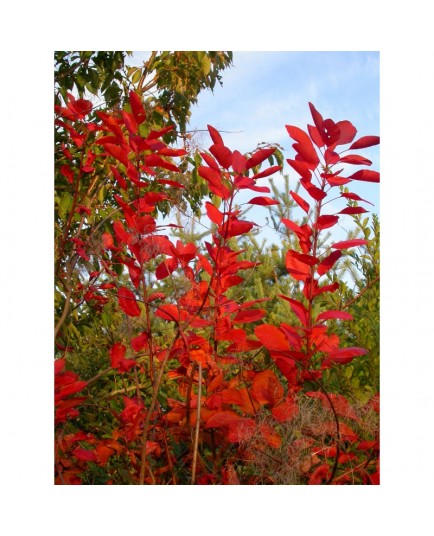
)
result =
(209, 359)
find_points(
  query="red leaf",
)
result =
(330, 133)
(232, 396)
(326, 315)
(297, 269)
(315, 136)
(269, 434)
(321, 473)
(213, 213)
(137, 108)
(222, 418)
(215, 136)
(154, 160)
(241, 430)
(117, 358)
(365, 141)
(331, 157)
(127, 302)
(139, 342)
(266, 388)
(306, 259)
(347, 132)
(259, 156)
(287, 367)
(353, 210)
(304, 146)
(298, 308)
(236, 228)
(326, 221)
(156, 296)
(300, 167)
(83, 454)
(107, 241)
(334, 180)
(286, 410)
(300, 201)
(165, 268)
(168, 312)
(81, 107)
(272, 338)
(222, 154)
(130, 122)
(59, 365)
(119, 179)
(327, 129)
(68, 173)
(214, 181)
(266, 172)
(264, 201)
(154, 134)
(238, 162)
(69, 389)
(315, 192)
(234, 335)
(168, 182)
(172, 151)
(355, 197)
(210, 161)
(185, 252)
(327, 263)
(365, 175)
(118, 152)
(250, 315)
(349, 243)
(345, 355)
(355, 159)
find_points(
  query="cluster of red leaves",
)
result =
(213, 332)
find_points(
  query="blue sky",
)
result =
(264, 91)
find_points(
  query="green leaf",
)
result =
(64, 205)
(349, 371)
(131, 71)
(206, 65)
(136, 77)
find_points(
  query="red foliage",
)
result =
(209, 363)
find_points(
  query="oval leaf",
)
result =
(300, 201)
(340, 315)
(349, 243)
(264, 201)
(365, 141)
(127, 302)
(272, 338)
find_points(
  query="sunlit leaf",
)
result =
(365, 141)
(327, 315)
(349, 243)
(328, 262)
(272, 337)
(127, 302)
(300, 201)
(264, 201)
(249, 315)
(366, 175)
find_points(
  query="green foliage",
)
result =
(360, 379)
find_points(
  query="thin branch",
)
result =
(196, 435)
(361, 293)
(151, 410)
